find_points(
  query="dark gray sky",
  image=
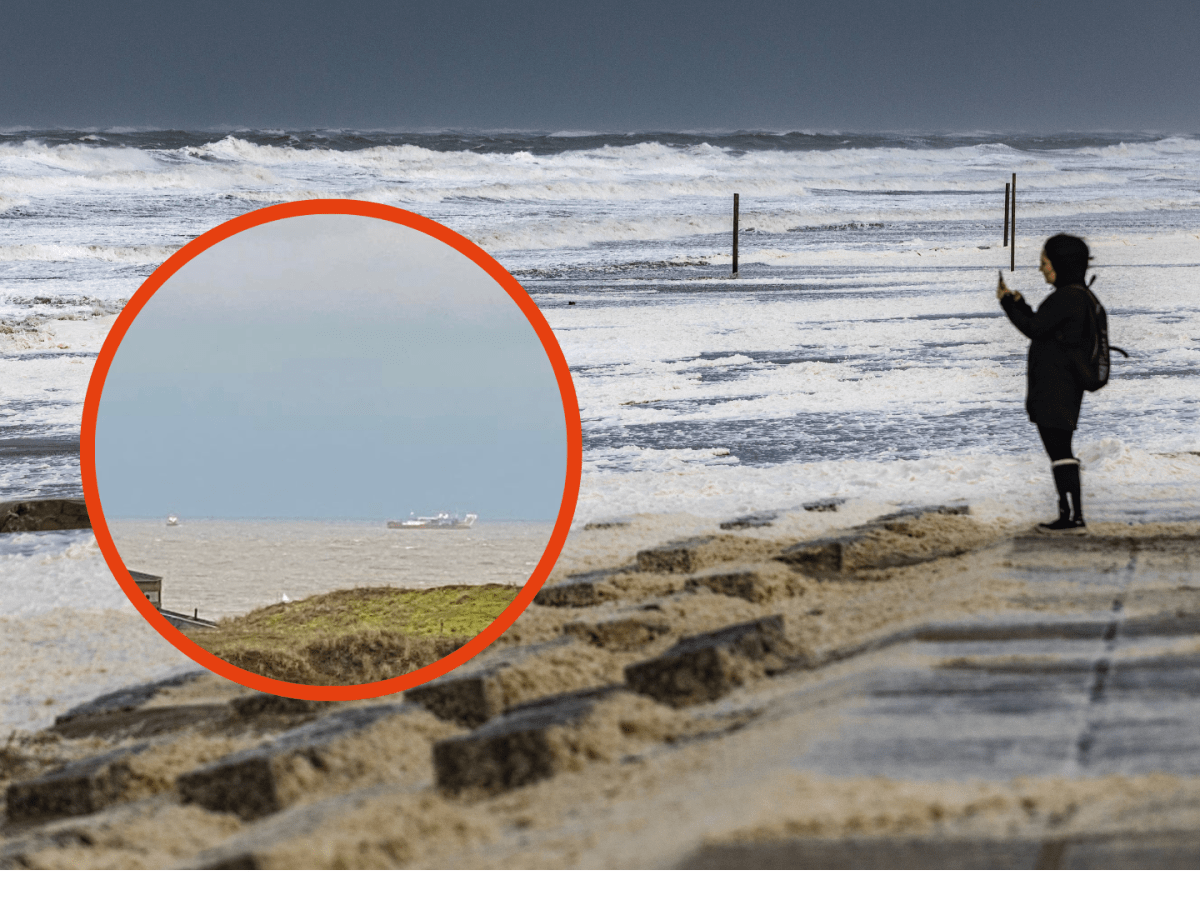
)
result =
(327, 367)
(1079, 65)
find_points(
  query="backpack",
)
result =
(1091, 359)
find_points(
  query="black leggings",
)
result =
(1057, 442)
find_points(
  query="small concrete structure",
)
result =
(150, 585)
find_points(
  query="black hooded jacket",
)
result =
(1060, 326)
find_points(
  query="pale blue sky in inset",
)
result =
(331, 367)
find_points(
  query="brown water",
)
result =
(230, 567)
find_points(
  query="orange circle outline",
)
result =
(566, 388)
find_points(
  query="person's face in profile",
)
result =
(1047, 270)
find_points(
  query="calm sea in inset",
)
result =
(228, 567)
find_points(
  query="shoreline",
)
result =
(228, 568)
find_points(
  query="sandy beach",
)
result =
(800, 689)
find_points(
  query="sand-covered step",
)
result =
(820, 557)
(476, 691)
(696, 553)
(656, 568)
(518, 748)
(833, 556)
(898, 539)
(82, 787)
(604, 524)
(707, 666)
(753, 520)
(265, 779)
(758, 583)
(259, 706)
(469, 699)
(129, 698)
(134, 713)
(608, 725)
(85, 842)
(257, 845)
(767, 518)
(916, 512)
(582, 589)
(625, 629)
(141, 723)
(120, 714)
(825, 504)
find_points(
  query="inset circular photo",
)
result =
(331, 450)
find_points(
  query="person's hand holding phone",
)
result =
(1002, 289)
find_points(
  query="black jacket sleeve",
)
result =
(1051, 315)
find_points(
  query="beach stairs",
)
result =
(1108, 687)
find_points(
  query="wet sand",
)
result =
(801, 689)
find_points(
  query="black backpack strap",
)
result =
(1093, 296)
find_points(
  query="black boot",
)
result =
(1070, 496)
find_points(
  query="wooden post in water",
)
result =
(1012, 259)
(1006, 187)
(735, 231)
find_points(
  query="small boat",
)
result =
(172, 520)
(441, 520)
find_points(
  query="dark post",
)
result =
(1012, 259)
(735, 230)
(1006, 187)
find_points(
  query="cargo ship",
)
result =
(441, 520)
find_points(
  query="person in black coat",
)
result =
(1054, 396)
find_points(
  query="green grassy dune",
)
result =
(359, 635)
